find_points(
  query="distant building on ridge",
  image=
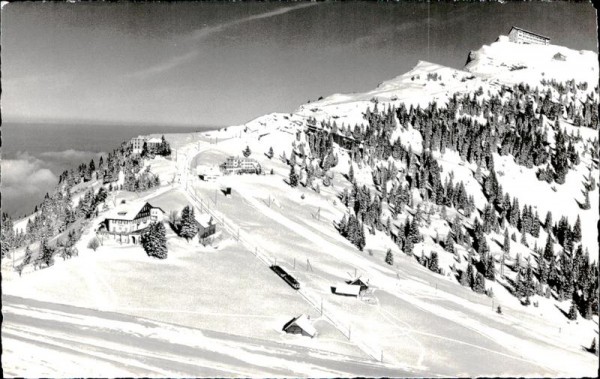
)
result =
(518, 35)
(241, 165)
(151, 143)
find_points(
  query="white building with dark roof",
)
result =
(518, 35)
(132, 217)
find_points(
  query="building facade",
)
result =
(152, 144)
(137, 144)
(518, 35)
(241, 165)
(131, 218)
(206, 225)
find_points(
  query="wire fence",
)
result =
(344, 326)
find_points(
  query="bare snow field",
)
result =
(66, 341)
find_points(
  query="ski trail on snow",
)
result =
(388, 284)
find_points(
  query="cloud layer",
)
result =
(26, 178)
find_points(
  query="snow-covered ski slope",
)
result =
(42, 339)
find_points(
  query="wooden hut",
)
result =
(300, 325)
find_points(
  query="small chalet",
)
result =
(300, 325)
(518, 35)
(131, 218)
(359, 282)
(206, 225)
(347, 290)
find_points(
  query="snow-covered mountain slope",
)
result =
(412, 88)
(416, 321)
(521, 63)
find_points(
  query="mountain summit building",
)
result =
(518, 35)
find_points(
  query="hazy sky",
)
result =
(221, 64)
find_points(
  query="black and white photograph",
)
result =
(299, 189)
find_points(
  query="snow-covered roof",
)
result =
(303, 323)
(154, 140)
(127, 211)
(204, 219)
(359, 282)
(202, 169)
(347, 289)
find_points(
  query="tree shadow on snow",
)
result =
(566, 314)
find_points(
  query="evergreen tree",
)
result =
(389, 257)
(91, 168)
(247, 151)
(593, 348)
(351, 173)
(573, 311)
(408, 247)
(577, 230)
(449, 244)
(528, 285)
(542, 270)
(548, 222)
(7, 238)
(189, 225)
(154, 241)
(270, 153)
(479, 283)
(165, 148)
(464, 278)
(506, 244)
(549, 249)
(470, 275)
(489, 268)
(434, 262)
(524, 239)
(293, 177)
(45, 253)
